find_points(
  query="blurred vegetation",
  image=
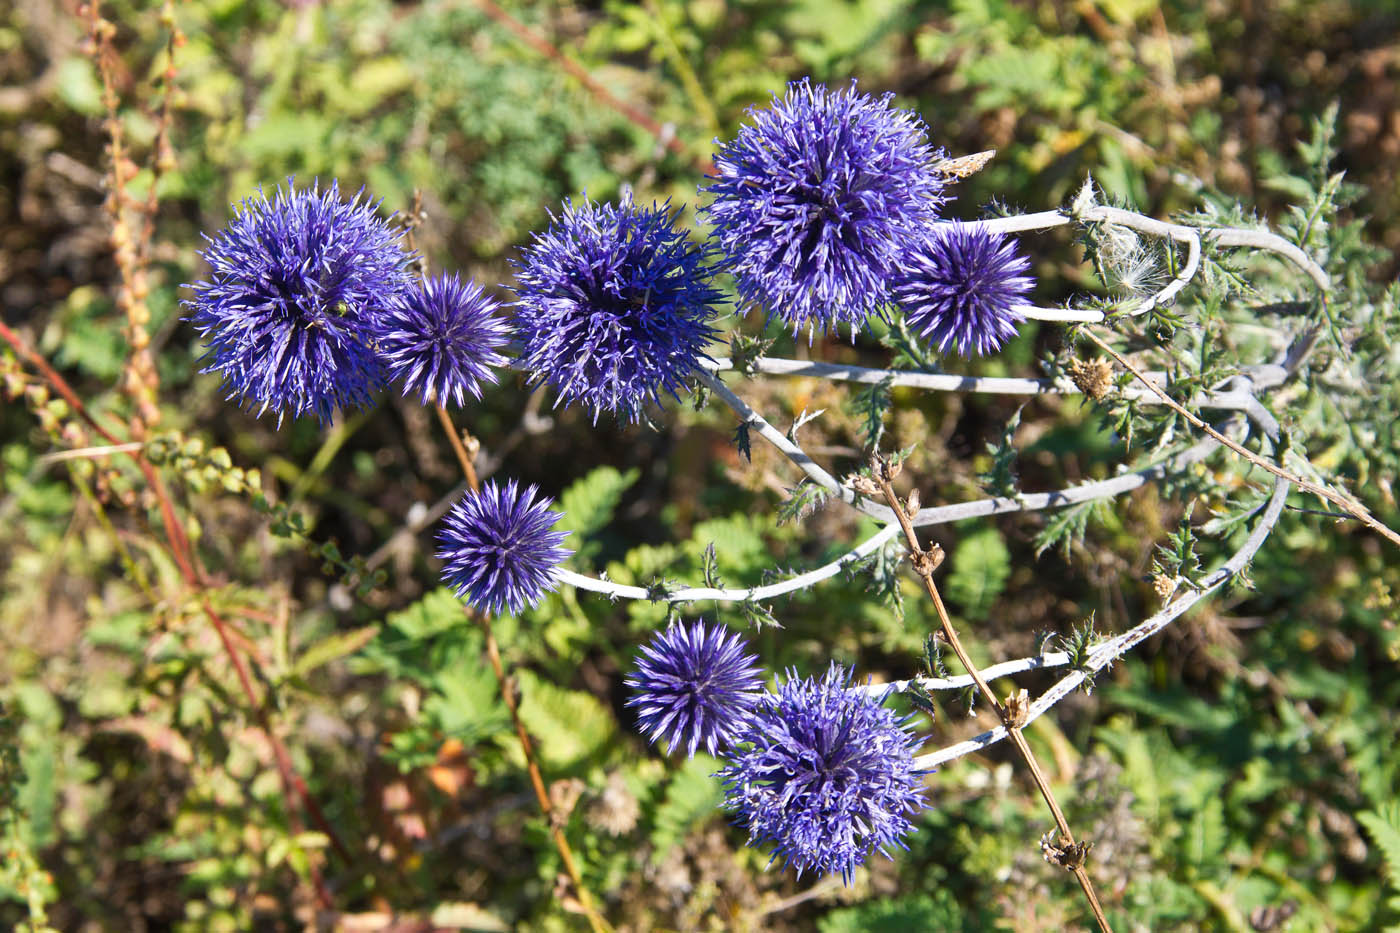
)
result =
(1238, 772)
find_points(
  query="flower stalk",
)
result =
(508, 695)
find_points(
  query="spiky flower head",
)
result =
(824, 773)
(613, 306)
(298, 289)
(693, 686)
(440, 340)
(499, 549)
(965, 288)
(818, 199)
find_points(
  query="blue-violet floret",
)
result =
(694, 685)
(499, 549)
(965, 288)
(440, 340)
(817, 201)
(825, 774)
(613, 307)
(292, 309)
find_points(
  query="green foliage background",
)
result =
(1237, 772)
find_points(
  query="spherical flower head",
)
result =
(498, 547)
(966, 288)
(298, 289)
(440, 340)
(694, 685)
(613, 307)
(818, 199)
(825, 773)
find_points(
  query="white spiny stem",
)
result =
(1224, 236)
(729, 594)
(1071, 315)
(1106, 653)
(1262, 376)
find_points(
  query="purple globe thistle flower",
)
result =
(825, 773)
(498, 547)
(613, 306)
(693, 686)
(965, 287)
(294, 303)
(817, 201)
(440, 339)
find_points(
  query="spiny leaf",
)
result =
(871, 404)
(741, 441)
(1001, 478)
(712, 577)
(1066, 528)
(744, 350)
(758, 615)
(806, 497)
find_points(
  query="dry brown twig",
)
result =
(1066, 852)
(1350, 506)
(130, 241)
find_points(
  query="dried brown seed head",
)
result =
(1092, 377)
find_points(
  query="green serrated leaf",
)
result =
(919, 912)
(1383, 825)
(571, 726)
(588, 503)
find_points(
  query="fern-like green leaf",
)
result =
(570, 726)
(589, 504)
(692, 796)
(1383, 825)
(981, 567)
(920, 912)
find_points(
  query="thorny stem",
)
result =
(507, 687)
(1068, 853)
(556, 831)
(1350, 506)
(493, 651)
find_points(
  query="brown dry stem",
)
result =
(1069, 853)
(1350, 506)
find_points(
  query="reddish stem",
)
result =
(548, 49)
(59, 384)
(181, 550)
